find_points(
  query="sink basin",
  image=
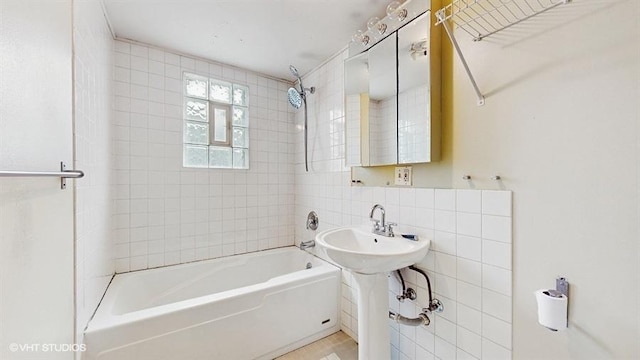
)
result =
(363, 252)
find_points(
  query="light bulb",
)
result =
(359, 34)
(391, 9)
(375, 24)
(371, 24)
(382, 28)
(361, 37)
(394, 11)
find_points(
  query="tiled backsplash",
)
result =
(469, 263)
(167, 214)
(470, 268)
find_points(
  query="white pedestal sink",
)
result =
(370, 257)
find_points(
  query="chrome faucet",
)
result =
(307, 244)
(377, 223)
(380, 227)
(312, 224)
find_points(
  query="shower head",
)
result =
(295, 98)
(294, 71)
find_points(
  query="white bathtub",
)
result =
(252, 306)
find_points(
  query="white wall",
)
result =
(93, 94)
(167, 214)
(560, 125)
(36, 216)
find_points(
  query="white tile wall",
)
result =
(413, 131)
(93, 67)
(167, 214)
(469, 263)
(383, 134)
(352, 120)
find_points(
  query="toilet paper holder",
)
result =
(553, 307)
(562, 286)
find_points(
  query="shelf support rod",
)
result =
(440, 15)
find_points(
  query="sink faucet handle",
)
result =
(390, 228)
(376, 223)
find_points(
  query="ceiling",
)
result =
(260, 35)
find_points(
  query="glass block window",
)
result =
(196, 86)
(220, 91)
(196, 133)
(240, 95)
(216, 123)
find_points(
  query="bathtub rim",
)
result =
(103, 317)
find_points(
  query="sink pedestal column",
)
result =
(373, 315)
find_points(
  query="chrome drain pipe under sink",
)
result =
(422, 319)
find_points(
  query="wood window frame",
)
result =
(212, 123)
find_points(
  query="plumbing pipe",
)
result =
(422, 319)
(434, 304)
(412, 267)
(404, 288)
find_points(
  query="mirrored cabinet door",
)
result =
(392, 98)
(414, 92)
(371, 105)
(383, 105)
(356, 91)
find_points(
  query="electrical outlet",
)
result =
(403, 176)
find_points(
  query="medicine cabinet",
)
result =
(392, 95)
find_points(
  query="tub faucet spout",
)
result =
(307, 244)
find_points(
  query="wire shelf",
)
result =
(482, 18)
